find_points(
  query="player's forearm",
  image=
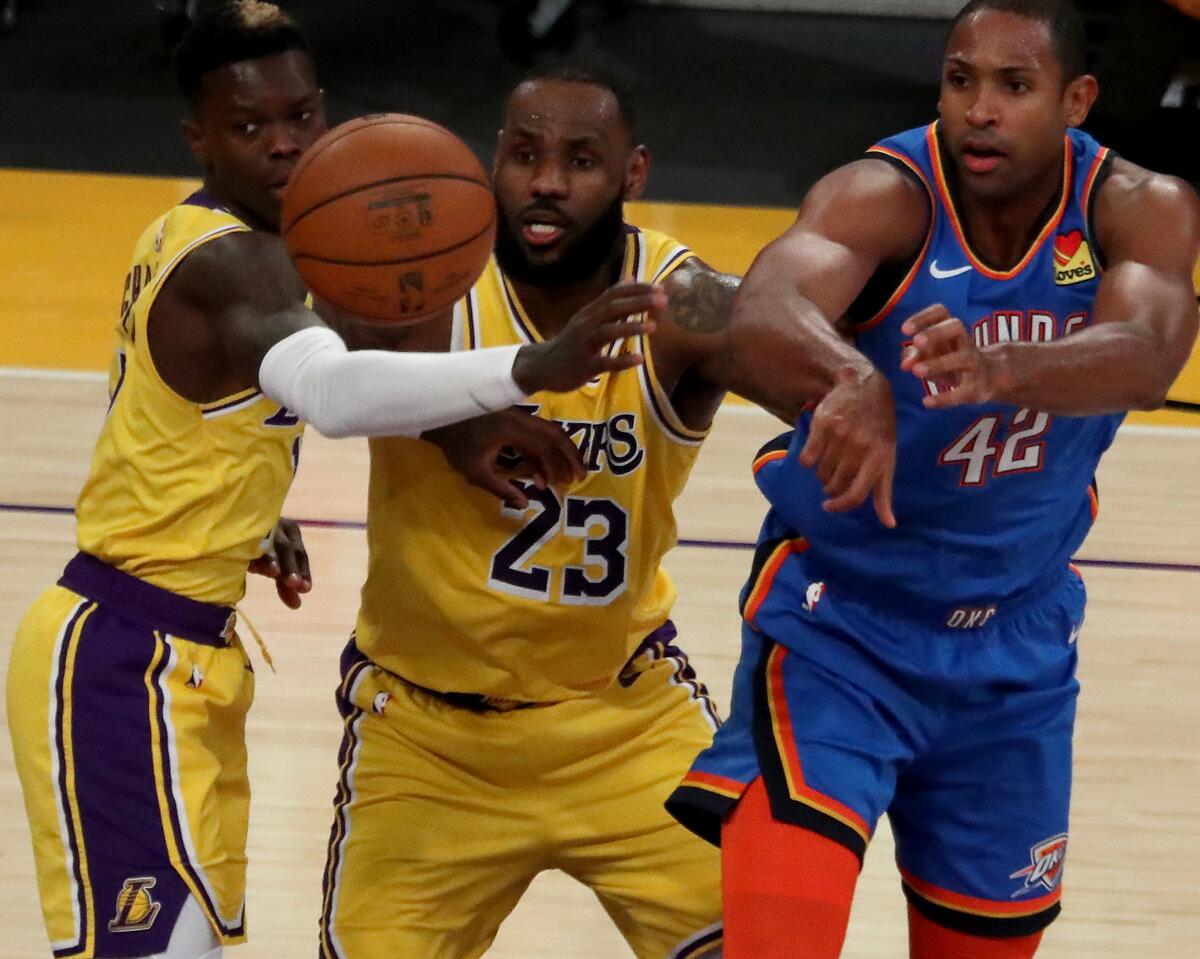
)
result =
(374, 393)
(1108, 368)
(784, 353)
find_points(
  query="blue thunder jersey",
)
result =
(990, 500)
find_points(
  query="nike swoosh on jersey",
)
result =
(946, 274)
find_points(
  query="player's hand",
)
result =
(493, 451)
(945, 354)
(286, 562)
(852, 444)
(579, 352)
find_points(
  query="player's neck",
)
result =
(242, 212)
(550, 308)
(1001, 231)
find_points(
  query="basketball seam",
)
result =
(288, 227)
(406, 259)
(353, 126)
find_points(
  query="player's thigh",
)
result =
(658, 881)
(426, 856)
(135, 787)
(981, 827)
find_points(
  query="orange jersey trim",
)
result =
(785, 743)
(1093, 502)
(948, 203)
(980, 907)
(770, 568)
(915, 270)
(768, 458)
(710, 782)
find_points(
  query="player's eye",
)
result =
(583, 163)
(304, 116)
(246, 129)
(522, 155)
(1018, 86)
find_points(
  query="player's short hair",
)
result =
(231, 32)
(582, 71)
(1061, 16)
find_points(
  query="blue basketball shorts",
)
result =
(963, 737)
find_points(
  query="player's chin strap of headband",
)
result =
(380, 393)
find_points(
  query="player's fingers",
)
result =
(854, 494)
(814, 447)
(943, 337)
(614, 364)
(883, 494)
(265, 565)
(945, 366)
(926, 318)
(948, 399)
(548, 446)
(841, 476)
(288, 596)
(628, 301)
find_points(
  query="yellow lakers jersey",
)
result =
(182, 494)
(464, 594)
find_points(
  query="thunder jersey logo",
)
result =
(1073, 261)
(135, 909)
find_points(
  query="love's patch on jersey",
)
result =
(1073, 261)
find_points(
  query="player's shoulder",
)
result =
(1133, 198)
(234, 262)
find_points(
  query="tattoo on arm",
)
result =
(700, 299)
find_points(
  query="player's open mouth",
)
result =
(980, 158)
(541, 234)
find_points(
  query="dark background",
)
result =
(737, 107)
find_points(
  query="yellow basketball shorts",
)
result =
(444, 814)
(129, 743)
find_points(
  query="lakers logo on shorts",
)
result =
(135, 909)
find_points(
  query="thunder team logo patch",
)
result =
(1073, 261)
(1045, 866)
(135, 909)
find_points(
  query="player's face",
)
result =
(565, 163)
(1003, 105)
(255, 119)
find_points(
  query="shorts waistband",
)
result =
(147, 604)
(480, 703)
(965, 616)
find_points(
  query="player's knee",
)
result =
(930, 940)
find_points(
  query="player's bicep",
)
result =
(248, 293)
(1151, 233)
(851, 222)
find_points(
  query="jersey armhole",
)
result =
(890, 282)
(659, 403)
(215, 408)
(1091, 191)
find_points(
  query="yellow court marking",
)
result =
(66, 238)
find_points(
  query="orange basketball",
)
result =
(389, 217)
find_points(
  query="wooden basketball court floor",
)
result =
(1133, 875)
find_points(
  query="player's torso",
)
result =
(989, 498)
(182, 494)
(466, 595)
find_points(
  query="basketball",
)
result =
(389, 217)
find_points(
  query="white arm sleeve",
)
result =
(378, 393)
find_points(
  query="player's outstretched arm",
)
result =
(240, 301)
(779, 345)
(1144, 319)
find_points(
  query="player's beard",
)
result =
(581, 258)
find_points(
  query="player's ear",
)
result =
(1078, 98)
(636, 171)
(195, 141)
